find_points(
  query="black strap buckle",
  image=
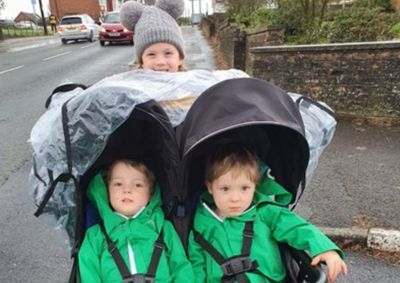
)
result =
(236, 265)
(138, 278)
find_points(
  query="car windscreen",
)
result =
(112, 18)
(71, 21)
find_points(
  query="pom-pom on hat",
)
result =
(153, 24)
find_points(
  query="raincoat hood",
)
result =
(98, 195)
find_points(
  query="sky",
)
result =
(13, 7)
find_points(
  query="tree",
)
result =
(240, 10)
(303, 17)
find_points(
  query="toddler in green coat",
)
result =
(237, 220)
(130, 209)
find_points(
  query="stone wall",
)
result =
(357, 80)
(265, 37)
(233, 42)
(232, 46)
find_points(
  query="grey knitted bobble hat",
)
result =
(153, 24)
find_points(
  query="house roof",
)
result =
(25, 16)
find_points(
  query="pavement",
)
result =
(355, 193)
(23, 43)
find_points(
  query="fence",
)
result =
(11, 31)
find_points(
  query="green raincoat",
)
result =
(272, 223)
(138, 233)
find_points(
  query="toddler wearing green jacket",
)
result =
(236, 227)
(134, 241)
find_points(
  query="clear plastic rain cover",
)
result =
(95, 113)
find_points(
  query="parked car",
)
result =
(76, 27)
(113, 31)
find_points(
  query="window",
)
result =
(71, 21)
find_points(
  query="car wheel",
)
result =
(63, 41)
(91, 37)
(131, 42)
(102, 43)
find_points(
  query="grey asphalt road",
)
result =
(355, 183)
(27, 77)
(30, 251)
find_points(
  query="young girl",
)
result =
(237, 223)
(159, 44)
(133, 224)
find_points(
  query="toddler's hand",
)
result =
(335, 264)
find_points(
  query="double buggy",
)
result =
(171, 122)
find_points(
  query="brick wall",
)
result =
(357, 80)
(62, 7)
(266, 37)
(233, 42)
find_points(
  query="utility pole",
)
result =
(33, 6)
(199, 7)
(192, 12)
(43, 18)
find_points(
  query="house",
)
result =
(349, 3)
(219, 6)
(25, 19)
(94, 8)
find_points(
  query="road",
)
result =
(30, 251)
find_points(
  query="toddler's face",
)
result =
(129, 189)
(232, 192)
(161, 57)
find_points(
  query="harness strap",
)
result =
(234, 268)
(159, 246)
(208, 248)
(248, 234)
(119, 261)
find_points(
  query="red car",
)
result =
(113, 31)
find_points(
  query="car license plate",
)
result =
(114, 34)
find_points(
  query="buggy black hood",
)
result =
(254, 113)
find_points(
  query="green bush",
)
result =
(395, 30)
(360, 24)
(184, 21)
(264, 17)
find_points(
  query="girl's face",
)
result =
(161, 57)
(129, 189)
(232, 192)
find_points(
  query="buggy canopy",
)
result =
(81, 127)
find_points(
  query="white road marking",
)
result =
(88, 45)
(12, 69)
(55, 56)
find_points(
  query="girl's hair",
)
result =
(229, 157)
(138, 166)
